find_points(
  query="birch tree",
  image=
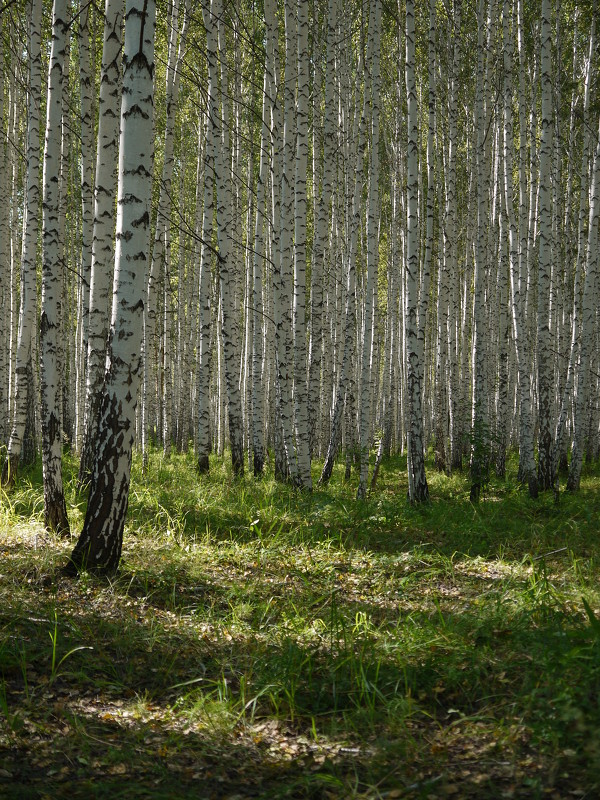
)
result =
(545, 362)
(162, 238)
(580, 257)
(203, 229)
(372, 254)
(87, 214)
(301, 421)
(28, 305)
(517, 244)
(589, 309)
(322, 216)
(212, 14)
(418, 490)
(105, 187)
(5, 288)
(55, 510)
(98, 548)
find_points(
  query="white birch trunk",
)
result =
(55, 511)
(519, 258)
(589, 309)
(418, 490)
(203, 443)
(99, 546)
(347, 337)
(301, 418)
(105, 187)
(366, 394)
(229, 327)
(258, 259)
(5, 288)
(565, 405)
(545, 361)
(479, 421)
(87, 214)
(28, 306)
(322, 217)
(284, 280)
(161, 247)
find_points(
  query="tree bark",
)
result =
(418, 491)
(28, 306)
(105, 188)
(55, 510)
(99, 546)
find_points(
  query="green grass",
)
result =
(258, 642)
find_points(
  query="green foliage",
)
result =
(342, 649)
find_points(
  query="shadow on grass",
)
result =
(165, 706)
(305, 645)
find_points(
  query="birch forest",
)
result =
(299, 399)
(296, 233)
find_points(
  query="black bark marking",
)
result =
(143, 220)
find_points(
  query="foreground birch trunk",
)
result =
(99, 546)
(55, 510)
(28, 259)
(282, 471)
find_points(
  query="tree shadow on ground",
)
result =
(164, 707)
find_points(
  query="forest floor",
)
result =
(261, 643)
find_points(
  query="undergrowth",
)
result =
(259, 642)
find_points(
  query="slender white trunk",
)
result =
(322, 218)
(55, 511)
(212, 13)
(28, 306)
(301, 419)
(366, 394)
(589, 308)
(343, 393)
(545, 360)
(161, 247)
(284, 278)
(258, 259)
(87, 212)
(5, 287)
(479, 421)
(105, 187)
(418, 490)
(204, 228)
(565, 405)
